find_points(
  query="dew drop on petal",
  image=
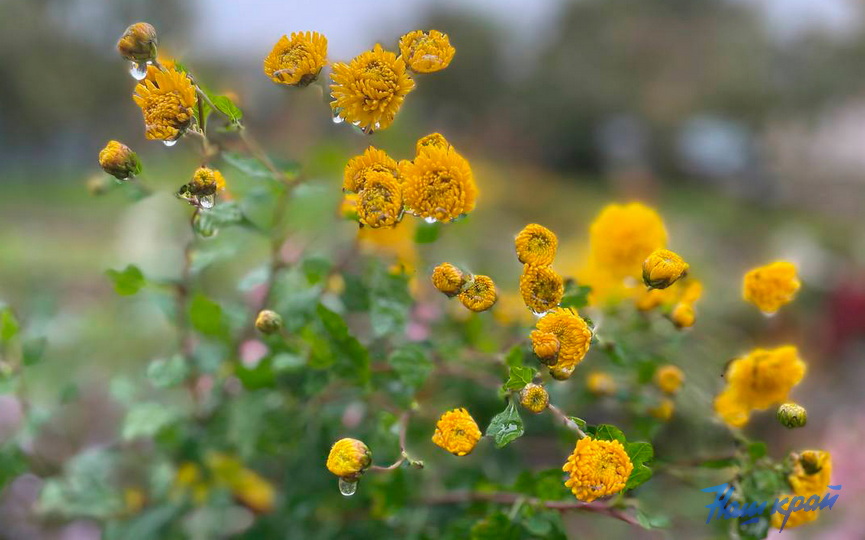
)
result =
(347, 488)
(430, 219)
(138, 70)
(769, 314)
(337, 119)
(170, 143)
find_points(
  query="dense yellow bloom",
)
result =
(138, 43)
(438, 184)
(662, 268)
(206, 181)
(426, 52)
(534, 398)
(372, 160)
(573, 334)
(296, 61)
(246, 485)
(811, 475)
(541, 288)
(448, 279)
(119, 161)
(349, 458)
(770, 287)
(546, 346)
(536, 245)
(669, 378)
(380, 201)
(597, 469)
(622, 236)
(663, 411)
(369, 90)
(480, 295)
(758, 380)
(683, 315)
(457, 432)
(601, 384)
(166, 99)
(435, 140)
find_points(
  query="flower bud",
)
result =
(448, 279)
(669, 378)
(664, 410)
(119, 161)
(662, 268)
(138, 43)
(683, 315)
(546, 346)
(534, 398)
(792, 415)
(348, 459)
(268, 322)
(601, 384)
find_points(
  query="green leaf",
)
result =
(495, 527)
(390, 302)
(206, 315)
(167, 373)
(220, 216)
(227, 107)
(247, 165)
(576, 296)
(33, 349)
(652, 522)
(722, 463)
(352, 358)
(86, 489)
(427, 233)
(146, 420)
(580, 423)
(411, 365)
(606, 432)
(506, 426)
(640, 474)
(515, 356)
(8, 325)
(639, 452)
(12, 463)
(128, 281)
(316, 269)
(519, 377)
(756, 450)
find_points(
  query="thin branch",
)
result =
(403, 429)
(570, 424)
(256, 150)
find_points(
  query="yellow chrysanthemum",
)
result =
(434, 140)
(448, 279)
(683, 315)
(206, 181)
(438, 184)
(597, 469)
(380, 201)
(574, 337)
(662, 268)
(426, 52)
(296, 61)
(536, 245)
(601, 384)
(394, 243)
(546, 346)
(480, 295)
(247, 486)
(534, 398)
(369, 90)
(810, 477)
(138, 43)
(796, 519)
(349, 458)
(457, 432)
(166, 99)
(622, 236)
(770, 287)
(372, 160)
(758, 380)
(669, 378)
(119, 161)
(541, 287)
(348, 207)
(692, 291)
(663, 411)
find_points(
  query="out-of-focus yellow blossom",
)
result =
(448, 279)
(296, 61)
(662, 268)
(683, 315)
(541, 288)
(392, 242)
(369, 90)
(650, 299)
(607, 289)
(534, 398)
(796, 519)
(268, 321)
(692, 291)
(426, 52)
(349, 458)
(770, 287)
(247, 486)
(348, 207)
(622, 236)
(811, 475)
(189, 480)
(138, 43)
(536, 245)
(480, 294)
(119, 161)
(457, 432)
(669, 379)
(510, 309)
(438, 184)
(546, 346)
(166, 99)
(663, 411)
(597, 469)
(434, 140)
(601, 384)
(758, 380)
(380, 201)
(372, 160)
(574, 337)
(792, 415)
(134, 500)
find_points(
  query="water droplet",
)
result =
(347, 488)
(769, 314)
(170, 143)
(207, 202)
(138, 71)
(430, 220)
(337, 119)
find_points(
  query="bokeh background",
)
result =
(742, 121)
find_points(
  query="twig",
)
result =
(570, 424)
(403, 429)
(255, 149)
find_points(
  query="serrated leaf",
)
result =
(575, 296)
(411, 365)
(606, 432)
(639, 475)
(506, 426)
(390, 301)
(580, 423)
(165, 373)
(514, 357)
(639, 452)
(128, 281)
(652, 522)
(519, 377)
(352, 358)
(247, 165)
(227, 107)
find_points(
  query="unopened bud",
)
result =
(534, 398)
(268, 322)
(662, 268)
(348, 459)
(792, 415)
(138, 43)
(119, 161)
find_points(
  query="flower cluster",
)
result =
(770, 287)
(296, 60)
(561, 340)
(540, 286)
(476, 292)
(597, 469)
(812, 473)
(457, 432)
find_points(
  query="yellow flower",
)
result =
(369, 90)
(662, 268)
(683, 315)
(348, 207)
(395, 243)
(457, 432)
(296, 61)
(380, 201)
(597, 469)
(119, 161)
(134, 499)
(796, 519)
(663, 411)
(138, 43)
(480, 295)
(534, 398)
(758, 380)
(188, 481)
(541, 287)
(692, 292)
(573, 334)
(669, 378)
(536, 245)
(811, 475)
(438, 184)
(349, 458)
(601, 384)
(448, 279)
(622, 236)
(546, 346)
(253, 491)
(166, 99)
(426, 52)
(649, 299)
(358, 167)
(268, 321)
(206, 181)
(434, 140)
(509, 309)
(770, 287)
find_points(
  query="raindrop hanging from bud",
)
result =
(170, 143)
(347, 488)
(138, 70)
(207, 202)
